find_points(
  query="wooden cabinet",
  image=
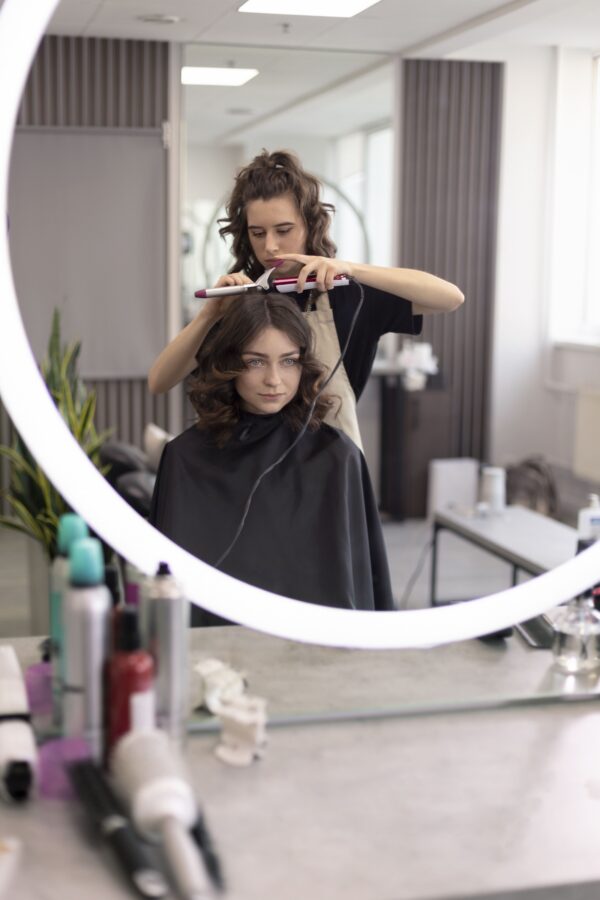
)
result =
(415, 428)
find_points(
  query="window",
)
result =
(574, 259)
(364, 165)
(591, 310)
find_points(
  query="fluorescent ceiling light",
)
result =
(227, 76)
(341, 9)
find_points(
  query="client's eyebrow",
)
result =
(266, 355)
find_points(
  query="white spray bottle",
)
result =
(588, 520)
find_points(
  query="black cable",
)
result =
(414, 575)
(300, 434)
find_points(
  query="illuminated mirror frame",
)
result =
(33, 412)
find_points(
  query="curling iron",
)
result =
(266, 283)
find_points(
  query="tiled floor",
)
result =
(463, 571)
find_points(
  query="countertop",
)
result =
(403, 807)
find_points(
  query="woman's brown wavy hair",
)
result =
(212, 389)
(271, 175)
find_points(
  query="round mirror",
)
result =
(35, 416)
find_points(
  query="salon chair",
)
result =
(130, 473)
(121, 458)
(137, 489)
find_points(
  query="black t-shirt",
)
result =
(380, 314)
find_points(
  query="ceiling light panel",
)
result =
(216, 76)
(339, 9)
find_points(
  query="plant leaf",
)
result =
(15, 525)
(21, 464)
(35, 528)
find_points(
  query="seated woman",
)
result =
(312, 530)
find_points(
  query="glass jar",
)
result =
(576, 645)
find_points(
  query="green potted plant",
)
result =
(35, 504)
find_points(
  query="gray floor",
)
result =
(464, 571)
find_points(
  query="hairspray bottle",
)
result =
(87, 609)
(71, 527)
(164, 621)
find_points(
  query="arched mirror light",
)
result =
(35, 416)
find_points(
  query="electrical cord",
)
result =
(412, 580)
(300, 434)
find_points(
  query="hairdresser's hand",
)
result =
(322, 267)
(232, 279)
(217, 307)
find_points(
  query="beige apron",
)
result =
(327, 350)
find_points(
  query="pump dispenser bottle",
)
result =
(588, 520)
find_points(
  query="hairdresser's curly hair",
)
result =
(271, 175)
(212, 389)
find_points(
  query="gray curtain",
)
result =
(451, 117)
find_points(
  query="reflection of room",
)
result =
(526, 392)
(117, 180)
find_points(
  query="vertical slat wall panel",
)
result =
(450, 162)
(96, 83)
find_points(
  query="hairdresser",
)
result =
(275, 217)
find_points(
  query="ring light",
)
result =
(40, 424)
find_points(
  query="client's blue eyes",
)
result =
(288, 363)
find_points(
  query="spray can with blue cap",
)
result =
(71, 527)
(86, 616)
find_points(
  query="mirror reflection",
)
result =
(531, 387)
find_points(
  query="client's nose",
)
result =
(272, 376)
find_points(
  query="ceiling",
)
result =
(300, 57)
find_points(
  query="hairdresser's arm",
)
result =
(178, 358)
(428, 293)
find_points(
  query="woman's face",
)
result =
(272, 372)
(275, 226)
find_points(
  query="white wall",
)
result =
(314, 152)
(207, 177)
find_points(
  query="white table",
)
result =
(526, 540)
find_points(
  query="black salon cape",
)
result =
(313, 531)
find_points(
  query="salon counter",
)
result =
(385, 801)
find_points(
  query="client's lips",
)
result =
(271, 396)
